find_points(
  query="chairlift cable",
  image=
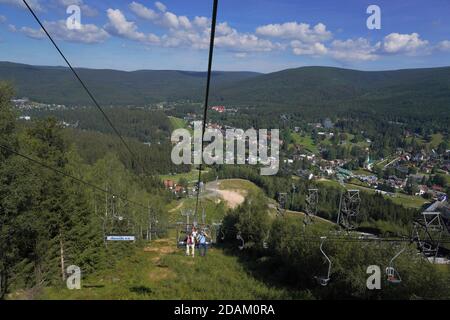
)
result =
(91, 185)
(208, 82)
(91, 96)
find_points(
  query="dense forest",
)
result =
(111, 87)
(48, 219)
(415, 94)
(146, 132)
(292, 258)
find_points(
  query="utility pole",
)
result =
(294, 189)
(203, 216)
(149, 230)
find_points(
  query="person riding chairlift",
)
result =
(190, 244)
(194, 235)
(203, 246)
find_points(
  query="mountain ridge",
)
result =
(403, 89)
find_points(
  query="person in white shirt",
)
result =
(190, 245)
(194, 235)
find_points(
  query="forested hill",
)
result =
(325, 86)
(411, 91)
(58, 84)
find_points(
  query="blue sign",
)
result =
(120, 238)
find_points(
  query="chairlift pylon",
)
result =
(349, 207)
(312, 201)
(282, 201)
(428, 232)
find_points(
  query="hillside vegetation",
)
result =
(58, 85)
(314, 90)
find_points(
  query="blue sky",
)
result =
(254, 35)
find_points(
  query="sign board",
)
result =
(120, 238)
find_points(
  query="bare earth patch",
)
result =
(233, 198)
(161, 246)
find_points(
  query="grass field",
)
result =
(305, 141)
(436, 139)
(178, 123)
(191, 176)
(238, 184)
(161, 271)
(363, 172)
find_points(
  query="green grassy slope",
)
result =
(160, 271)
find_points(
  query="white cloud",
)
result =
(223, 29)
(404, 43)
(184, 22)
(34, 4)
(182, 32)
(32, 33)
(245, 42)
(161, 7)
(85, 9)
(315, 49)
(230, 38)
(444, 46)
(294, 30)
(2, 19)
(88, 33)
(241, 55)
(119, 26)
(201, 22)
(186, 38)
(165, 18)
(172, 21)
(226, 37)
(142, 11)
(354, 50)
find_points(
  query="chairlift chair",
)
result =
(266, 241)
(217, 229)
(119, 224)
(324, 280)
(182, 231)
(392, 274)
(239, 237)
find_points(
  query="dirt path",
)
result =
(160, 248)
(177, 207)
